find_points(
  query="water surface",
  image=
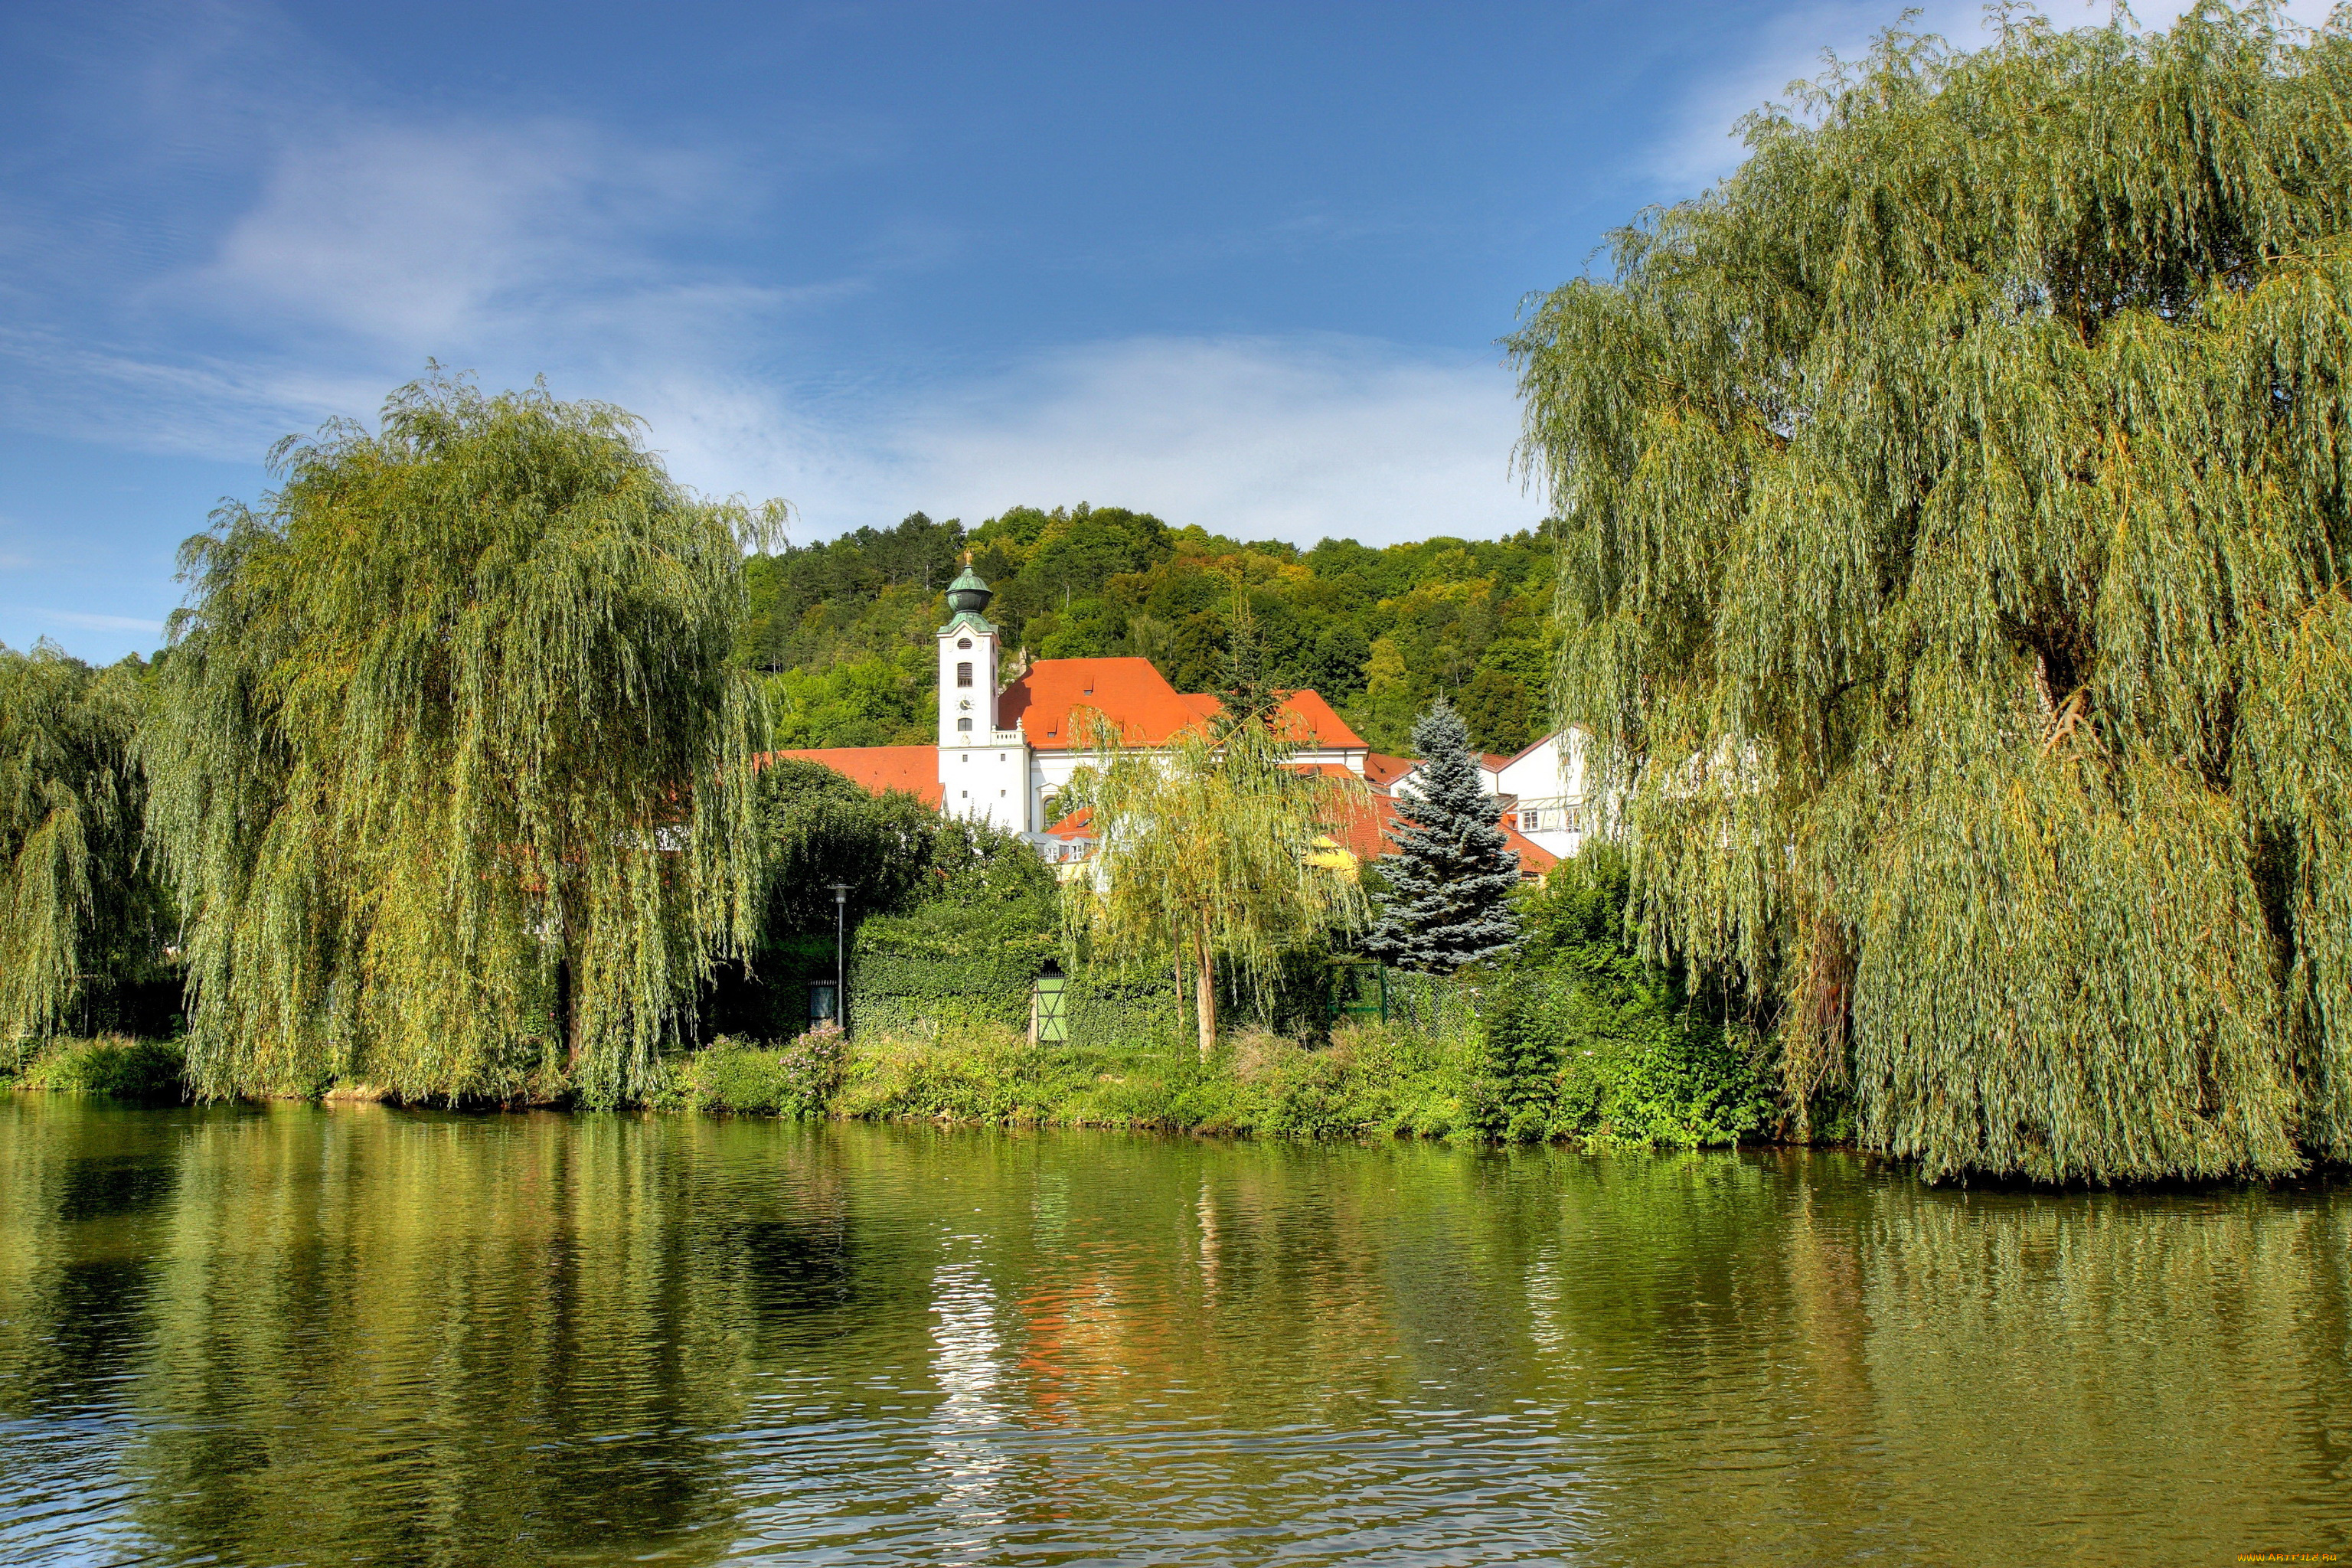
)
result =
(307, 1335)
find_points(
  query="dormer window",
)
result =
(963, 673)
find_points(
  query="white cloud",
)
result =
(1257, 438)
(423, 237)
(1699, 147)
(84, 621)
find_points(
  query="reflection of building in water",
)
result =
(1543, 1300)
(1208, 1213)
(967, 1449)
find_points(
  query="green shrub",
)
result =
(797, 1080)
(963, 957)
(1586, 1040)
(112, 1065)
(973, 1072)
(1514, 1090)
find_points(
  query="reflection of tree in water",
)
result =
(88, 1323)
(467, 1340)
(366, 1336)
(77, 1208)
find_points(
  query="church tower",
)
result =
(983, 772)
(967, 664)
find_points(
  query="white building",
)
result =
(1004, 753)
(1543, 792)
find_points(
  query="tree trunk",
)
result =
(571, 1018)
(1204, 996)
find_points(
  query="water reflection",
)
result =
(302, 1335)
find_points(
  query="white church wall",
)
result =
(988, 783)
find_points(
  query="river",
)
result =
(353, 1335)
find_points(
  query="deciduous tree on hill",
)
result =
(1955, 581)
(845, 626)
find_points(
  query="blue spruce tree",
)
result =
(1451, 878)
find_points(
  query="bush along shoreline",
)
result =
(1576, 1041)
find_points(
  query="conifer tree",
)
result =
(1246, 695)
(447, 763)
(1958, 511)
(1451, 878)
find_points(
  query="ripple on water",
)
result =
(361, 1336)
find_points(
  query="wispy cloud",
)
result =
(502, 249)
(91, 623)
(1261, 437)
(1788, 44)
(411, 236)
(1288, 439)
(513, 250)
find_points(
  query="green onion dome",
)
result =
(968, 593)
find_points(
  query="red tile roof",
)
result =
(1370, 832)
(1325, 727)
(1365, 831)
(1129, 691)
(1132, 693)
(1534, 860)
(914, 769)
(1380, 770)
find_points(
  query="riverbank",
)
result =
(1670, 1089)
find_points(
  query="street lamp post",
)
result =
(840, 955)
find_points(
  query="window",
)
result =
(964, 642)
(963, 673)
(963, 726)
(1529, 821)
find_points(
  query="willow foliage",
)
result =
(80, 915)
(1204, 857)
(448, 765)
(1954, 580)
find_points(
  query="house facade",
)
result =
(1543, 793)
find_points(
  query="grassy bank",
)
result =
(118, 1066)
(1369, 1080)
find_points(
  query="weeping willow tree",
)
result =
(1205, 857)
(1954, 582)
(82, 918)
(448, 767)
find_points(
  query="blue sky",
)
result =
(1241, 264)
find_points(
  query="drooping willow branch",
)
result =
(449, 767)
(1952, 578)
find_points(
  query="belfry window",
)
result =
(963, 726)
(963, 673)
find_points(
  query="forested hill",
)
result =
(847, 626)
